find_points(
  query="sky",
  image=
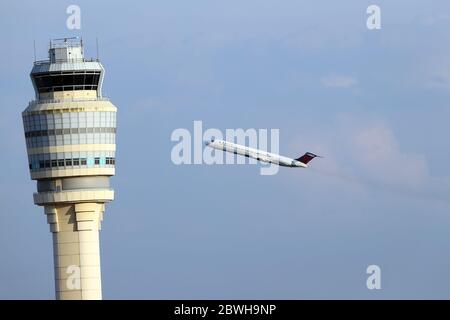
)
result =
(374, 103)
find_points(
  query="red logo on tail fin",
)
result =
(307, 157)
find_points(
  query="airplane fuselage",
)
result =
(257, 154)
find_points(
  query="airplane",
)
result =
(261, 155)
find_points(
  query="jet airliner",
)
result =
(261, 155)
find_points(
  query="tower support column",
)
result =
(75, 228)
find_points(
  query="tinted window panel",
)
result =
(67, 81)
(78, 79)
(57, 80)
(89, 79)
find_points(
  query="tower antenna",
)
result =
(96, 44)
(34, 48)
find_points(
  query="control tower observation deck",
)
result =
(70, 134)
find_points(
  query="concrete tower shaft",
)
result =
(70, 136)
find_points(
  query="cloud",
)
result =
(439, 77)
(365, 153)
(433, 72)
(377, 152)
(339, 81)
(432, 20)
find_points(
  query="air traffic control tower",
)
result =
(70, 134)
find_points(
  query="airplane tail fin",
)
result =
(307, 157)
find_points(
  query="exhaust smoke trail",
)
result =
(433, 190)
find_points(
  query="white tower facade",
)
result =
(70, 134)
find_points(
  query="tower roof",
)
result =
(65, 50)
(66, 69)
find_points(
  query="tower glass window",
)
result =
(66, 80)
